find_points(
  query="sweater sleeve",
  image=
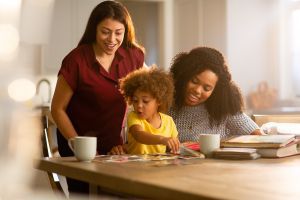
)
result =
(240, 124)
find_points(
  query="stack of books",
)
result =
(236, 153)
(267, 146)
(293, 148)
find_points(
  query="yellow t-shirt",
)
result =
(167, 129)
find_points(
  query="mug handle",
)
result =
(71, 143)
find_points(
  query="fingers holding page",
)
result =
(173, 144)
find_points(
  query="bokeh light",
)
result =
(21, 90)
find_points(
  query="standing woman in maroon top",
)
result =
(87, 101)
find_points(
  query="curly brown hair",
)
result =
(226, 99)
(153, 80)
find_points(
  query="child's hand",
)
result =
(118, 150)
(172, 143)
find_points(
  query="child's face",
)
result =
(145, 105)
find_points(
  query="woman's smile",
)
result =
(110, 46)
(193, 98)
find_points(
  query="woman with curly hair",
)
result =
(206, 99)
(150, 92)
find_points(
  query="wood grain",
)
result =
(194, 179)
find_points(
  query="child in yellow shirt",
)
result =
(150, 92)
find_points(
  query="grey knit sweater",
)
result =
(193, 120)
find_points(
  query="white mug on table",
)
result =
(84, 147)
(208, 143)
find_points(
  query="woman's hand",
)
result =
(118, 150)
(172, 143)
(257, 132)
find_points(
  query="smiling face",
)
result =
(200, 87)
(145, 105)
(109, 36)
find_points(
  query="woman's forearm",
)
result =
(64, 123)
(257, 132)
(61, 98)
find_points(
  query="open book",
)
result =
(192, 145)
(281, 128)
(258, 141)
(190, 150)
(189, 153)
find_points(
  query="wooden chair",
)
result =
(49, 150)
(261, 119)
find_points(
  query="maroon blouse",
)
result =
(97, 108)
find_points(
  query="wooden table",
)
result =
(193, 179)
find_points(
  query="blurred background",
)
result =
(259, 38)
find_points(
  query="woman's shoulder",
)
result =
(239, 117)
(131, 51)
(79, 52)
(131, 58)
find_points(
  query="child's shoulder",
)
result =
(132, 114)
(165, 116)
(132, 118)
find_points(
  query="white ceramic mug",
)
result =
(84, 147)
(208, 143)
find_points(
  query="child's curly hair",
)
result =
(153, 80)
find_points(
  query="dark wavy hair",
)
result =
(152, 80)
(226, 98)
(114, 10)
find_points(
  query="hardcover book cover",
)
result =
(236, 153)
(293, 148)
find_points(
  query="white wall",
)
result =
(187, 25)
(69, 21)
(198, 23)
(214, 28)
(147, 35)
(253, 42)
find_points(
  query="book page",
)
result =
(278, 139)
(281, 128)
